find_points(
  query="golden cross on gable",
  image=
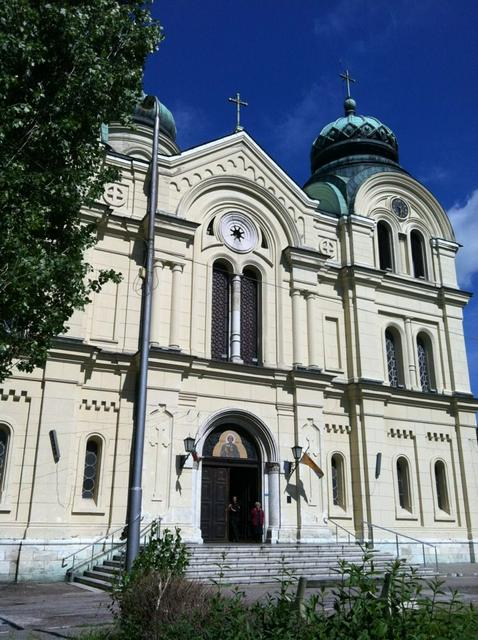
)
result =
(239, 103)
(348, 79)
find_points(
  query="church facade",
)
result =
(326, 317)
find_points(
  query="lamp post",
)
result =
(136, 470)
(297, 455)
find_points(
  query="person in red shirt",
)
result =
(257, 518)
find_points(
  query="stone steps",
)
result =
(256, 564)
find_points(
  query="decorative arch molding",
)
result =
(248, 421)
(237, 185)
(380, 214)
(379, 187)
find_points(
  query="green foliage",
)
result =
(363, 606)
(144, 596)
(67, 67)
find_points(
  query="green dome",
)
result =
(167, 125)
(345, 154)
(353, 135)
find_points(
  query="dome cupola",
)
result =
(353, 135)
(345, 153)
(167, 125)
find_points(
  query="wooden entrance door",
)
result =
(214, 501)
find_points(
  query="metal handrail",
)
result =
(371, 525)
(339, 526)
(106, 553)
(101, 539)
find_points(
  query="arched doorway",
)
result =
(231, 466)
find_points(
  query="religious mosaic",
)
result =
(228, 443)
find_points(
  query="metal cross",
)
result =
(239, 103)
(348, 79)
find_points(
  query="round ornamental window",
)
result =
(238, 232)
(400, 208)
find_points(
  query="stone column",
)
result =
(314, 327)
(274, 501)
(236, 319)
(411, 351)
(177, 269)
(296, 332)
(155, 319)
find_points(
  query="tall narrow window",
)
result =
(4, 441)
(441, 486)
(338, 480)
(392, 344)
(221, 293)
(385, 253)
(425, 363)
(403, 481)
(250, 316)
(418, 254)
(91, 473)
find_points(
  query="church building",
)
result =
(306, 345)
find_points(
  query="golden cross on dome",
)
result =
(239, 103)
(348, 79)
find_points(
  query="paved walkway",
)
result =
(31, 611)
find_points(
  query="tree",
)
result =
(67, 67)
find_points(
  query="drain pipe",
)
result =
(136, 471)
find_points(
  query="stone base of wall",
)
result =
(447, 551)
(38, 560)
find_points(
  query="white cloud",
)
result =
(465, 223)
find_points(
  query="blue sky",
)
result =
(417, 71)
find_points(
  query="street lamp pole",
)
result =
(136, 471)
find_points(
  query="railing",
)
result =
(108, 545)
(338, 526)
(398, 534)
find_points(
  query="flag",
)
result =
(307, 460)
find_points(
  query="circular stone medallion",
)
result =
(238, 232)
(400, 208)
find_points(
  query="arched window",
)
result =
(441, 486)
(4, 442)
(221, 293)
(250, 286)
(394, 363)
(417, 244)
(91, 475)
(425, 363)
(338, 480)
(385, 246)
(403, 481)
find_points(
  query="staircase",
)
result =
(253, 563)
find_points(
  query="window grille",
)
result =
(403, 480)
(220, 313)
(441, 487)
(91, 472)
(249, 317)
(423, 368)
(4, 438)
(392, 363)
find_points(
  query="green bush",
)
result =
(153, 592)
(155, 602)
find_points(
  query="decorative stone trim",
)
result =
(186, 399)
(344, 429)
(11, 394)
(401, 433)
(438, 437)
(99, 405)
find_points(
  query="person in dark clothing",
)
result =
(234, 509)
(257, 519)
